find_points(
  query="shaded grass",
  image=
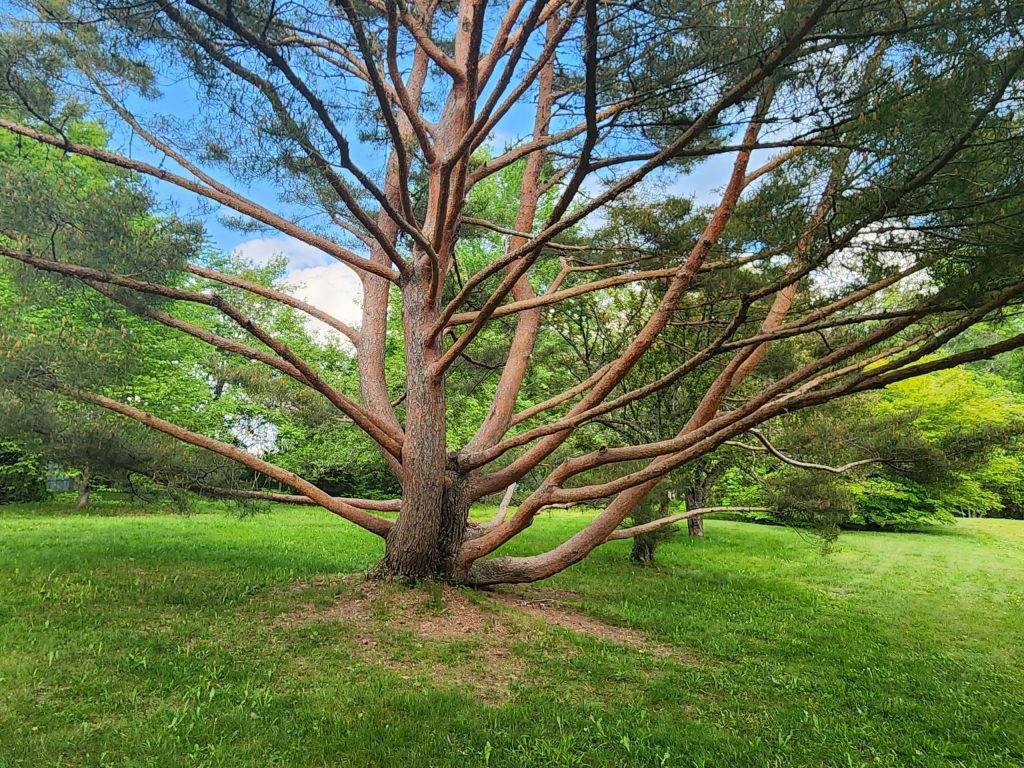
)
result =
(156, 641)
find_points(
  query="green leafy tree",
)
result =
(921, 452)
(22, 474)
(91, 336)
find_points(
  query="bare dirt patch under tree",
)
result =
(477, 640)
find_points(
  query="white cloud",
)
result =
(300, 255)
(333, 288)
(314, 277)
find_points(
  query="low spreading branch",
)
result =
(663, 522)
(767, 447)
(360, 517)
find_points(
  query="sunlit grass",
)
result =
(138, 640)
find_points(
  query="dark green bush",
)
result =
(22, 475)
(886, 503)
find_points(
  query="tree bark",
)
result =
(432, 522)
(696, 499)
(426, 545)
(645, 544)
(84, 486)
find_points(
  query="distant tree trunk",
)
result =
(645, 544)
(696, 498)
(83, 486)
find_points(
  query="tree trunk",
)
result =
(82, 485)
(645, 544)
(432, 521)
(429, 531)
(696, 499)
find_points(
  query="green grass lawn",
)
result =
(162, 640)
